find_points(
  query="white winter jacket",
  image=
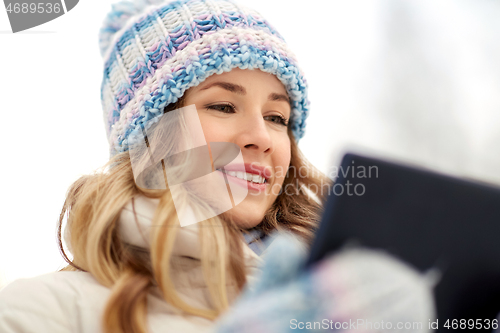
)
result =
(75, 301)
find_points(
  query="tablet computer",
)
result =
(426, 219)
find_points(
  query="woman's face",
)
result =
(251, 109)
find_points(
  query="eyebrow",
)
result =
(279, 97)
(240, 90)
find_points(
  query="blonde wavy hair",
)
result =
(93, 205)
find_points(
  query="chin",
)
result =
(242, 218)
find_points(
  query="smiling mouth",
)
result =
(249, 177)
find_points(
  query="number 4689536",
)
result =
(32, 8)
(471, 324)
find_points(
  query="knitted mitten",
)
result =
(353, 290)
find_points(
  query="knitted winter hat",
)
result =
(155, 50)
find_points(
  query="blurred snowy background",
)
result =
(413, 80)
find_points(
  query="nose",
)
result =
(254, 134)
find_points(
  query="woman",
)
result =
(136, 267)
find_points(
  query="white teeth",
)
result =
(246, 176)
(256, 178)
